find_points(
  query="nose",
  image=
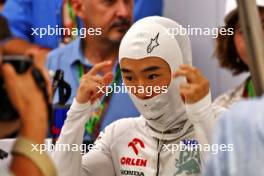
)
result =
(123, 10)
(141, 91)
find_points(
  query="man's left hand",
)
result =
(197, 86)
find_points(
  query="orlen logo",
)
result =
(135, 142)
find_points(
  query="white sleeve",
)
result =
(70, 162)
(204, 115)
(98, 161)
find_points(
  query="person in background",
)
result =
(25, 15)
(231, 54)
(2, 2)
(78, 57)
(243, 128)
(33, 118)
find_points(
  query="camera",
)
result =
(21, 64)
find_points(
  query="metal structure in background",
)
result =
(253, 34)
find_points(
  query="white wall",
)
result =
(204, 14)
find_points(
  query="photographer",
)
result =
(33, 115)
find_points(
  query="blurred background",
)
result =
(204, 14)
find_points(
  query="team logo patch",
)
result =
(135, 144)
(188, 162)
(128, 161)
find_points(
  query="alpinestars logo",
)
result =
(153, 44)
(134, 144)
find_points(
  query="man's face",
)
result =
(114, 17)
(150, 71)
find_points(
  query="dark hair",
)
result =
(225, 50)
(4, 31)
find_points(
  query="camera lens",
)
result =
(20, 63)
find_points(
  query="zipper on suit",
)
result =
(158, 160)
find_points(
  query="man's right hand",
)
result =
(91, 81)
(28, 100)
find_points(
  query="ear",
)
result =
(78, 8)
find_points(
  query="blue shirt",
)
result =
(68, 59)
(242, 126)
(26, 14)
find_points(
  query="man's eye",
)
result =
(153, 76)
(108, 2)
(128, 78)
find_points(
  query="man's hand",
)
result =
(28, 100)
(197, 86)
(90, 83)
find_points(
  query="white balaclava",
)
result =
(153, 37)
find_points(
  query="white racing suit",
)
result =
(126, 148)
(147, 145)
